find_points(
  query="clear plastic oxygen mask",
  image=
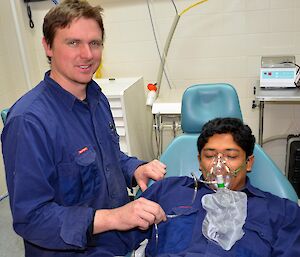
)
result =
(226, 210)
(219, 174)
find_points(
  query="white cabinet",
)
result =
(132, 117)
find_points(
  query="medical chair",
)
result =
(201, 103)
(4, 114)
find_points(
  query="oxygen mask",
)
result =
(226, 210)
(219, 172)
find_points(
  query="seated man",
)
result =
(221, 214)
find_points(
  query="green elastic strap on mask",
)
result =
(236, 171)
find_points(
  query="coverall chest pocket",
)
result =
(261, 235)
(175, 234)
(79, 180)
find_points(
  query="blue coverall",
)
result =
(63, 161)
(272, 226)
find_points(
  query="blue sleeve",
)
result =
(28, 157)
(129, 165)
(287, 239)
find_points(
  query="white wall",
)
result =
(218, 41)
(12, 77)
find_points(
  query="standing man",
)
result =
(65, 172)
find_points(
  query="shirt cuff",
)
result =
(90, 230)
(133, 180)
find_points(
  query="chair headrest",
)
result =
(203, 102)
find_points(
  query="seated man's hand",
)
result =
(153, 170)
(141, 213)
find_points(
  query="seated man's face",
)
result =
(224, 145)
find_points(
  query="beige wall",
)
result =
(218, 41)
(12, 79)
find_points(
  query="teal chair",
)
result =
(201, 103)
(4, 114)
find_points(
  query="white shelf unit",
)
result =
(132, 117)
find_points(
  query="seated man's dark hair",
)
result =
(241, 133)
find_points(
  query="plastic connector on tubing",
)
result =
(220, 181)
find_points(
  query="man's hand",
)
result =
(153, 170)
(141, 213)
